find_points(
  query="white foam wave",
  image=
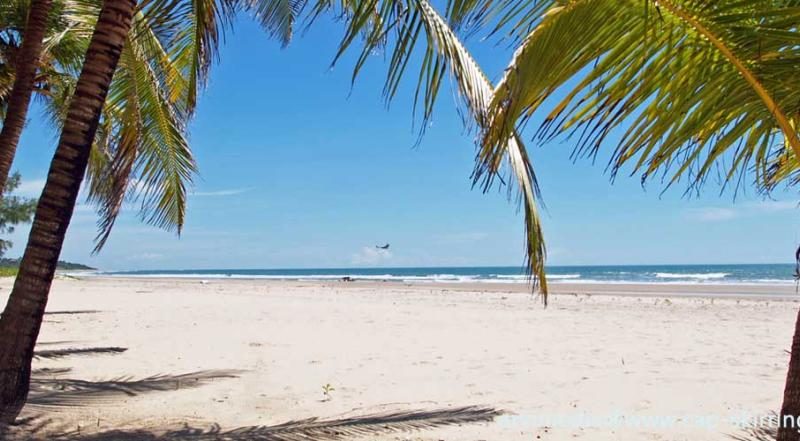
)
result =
(701, 276)
(564, 276)
(304, 277)
(664, 278)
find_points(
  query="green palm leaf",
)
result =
(195, 29)
(148, 145)
(398, 26)
(697, 84)
(140, 151)
(476, 90)
(278, 17)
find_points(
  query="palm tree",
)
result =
(700, 87)
(141, 135)
(56, 204)
(61, 52)
(195, 47)
(20, 94)
(103, 130)
(135, 129)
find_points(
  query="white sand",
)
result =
(391, 347)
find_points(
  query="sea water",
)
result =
(706, 274)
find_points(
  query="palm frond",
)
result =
(471, 16)
(148, 144)
(476, 90)
(397, 26)
(140, 151)
(698, 84)
(172, 74)
(278, 17)
(194, 46)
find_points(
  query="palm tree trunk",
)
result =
(22, 318)
(790, 411)
(25, 74)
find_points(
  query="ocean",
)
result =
(663, 274)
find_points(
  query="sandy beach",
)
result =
(190, 357)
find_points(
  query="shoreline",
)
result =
(775, 292)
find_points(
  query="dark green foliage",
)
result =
(6, 262)
(14, 210)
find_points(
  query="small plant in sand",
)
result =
(326, 392)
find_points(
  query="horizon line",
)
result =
(440, 266)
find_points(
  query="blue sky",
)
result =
(299, 170)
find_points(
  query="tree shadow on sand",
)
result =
(74, 312)
(767, 432)
(306, 430)
(54, 393)
(71, 312)
(68, 352)
(51, 394)
(757, 434)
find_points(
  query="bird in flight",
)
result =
(385, 247)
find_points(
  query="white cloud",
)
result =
(371, 256)
(231, 192)
(774, 205)
(468, 237)
(148, 256)
(32, 188)
(712, 214)
(719, 214)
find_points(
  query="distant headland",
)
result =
(62, 265)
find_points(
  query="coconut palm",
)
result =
(143, 118)
(89, 122)
(116, 124)
(136, 129)
(22, 317)
(62, 49)
(19, 97)
(692, 87)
